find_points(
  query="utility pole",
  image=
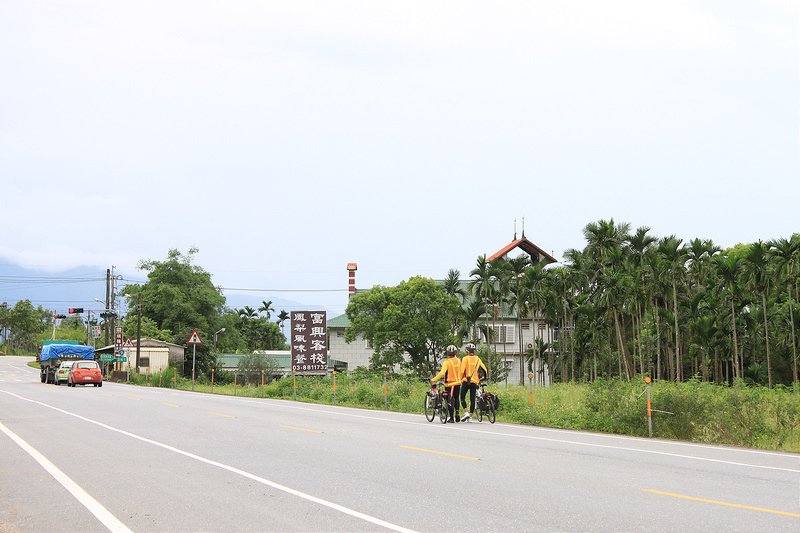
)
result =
(108, 293)
(138, 326)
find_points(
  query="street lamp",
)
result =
(215, 337)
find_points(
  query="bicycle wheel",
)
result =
(430, 410)
(442, 410)
(479, 406)
(490, 412)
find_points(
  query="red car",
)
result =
(84, 373)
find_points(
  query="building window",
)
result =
(503, 333)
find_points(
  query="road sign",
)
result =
(107, 358)
(128, 343)
(122, 359)
(96, 332)
(195, 338)
(121, 353)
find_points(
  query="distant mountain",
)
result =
(78, 287)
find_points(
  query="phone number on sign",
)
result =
(310, 367)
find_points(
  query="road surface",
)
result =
(145, 459)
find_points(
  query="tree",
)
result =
(25, 323)
(251, 366)
(283, 316)
(177, 295)
(674, 257)
(452, 285)
(757, 276)
(149, 329)
(266, 308)
(407, 325)
(785, 254)
(483, 288)
(248, 313)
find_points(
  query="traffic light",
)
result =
(75, 310)
(59, 316)
(108, 314)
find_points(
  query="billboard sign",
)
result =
(309, 341)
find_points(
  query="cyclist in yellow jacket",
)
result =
(451, 372)
(470, 365)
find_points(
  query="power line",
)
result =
(281, 290)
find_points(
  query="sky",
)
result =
(284, 140)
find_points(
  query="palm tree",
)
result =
(670, 250)
(452, 285)
(482, 286)
(640, 246)
(247, 313)
(729, 271)
(786, 256)
(517, 296)
(757, 276)
(266, 308)
(283, 316)
(535, 285)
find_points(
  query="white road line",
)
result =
(562, 441)
(248, 475)
(94, 507)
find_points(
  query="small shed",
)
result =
(154, 355)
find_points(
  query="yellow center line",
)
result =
(726, 504)
(221, 415)
(467, 457)
(167, 404)
(301, 429)
(134, 398)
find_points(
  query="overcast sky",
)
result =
(286, 139)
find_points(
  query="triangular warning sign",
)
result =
(128, 343)
(195, 338)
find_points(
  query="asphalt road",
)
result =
(143, 459)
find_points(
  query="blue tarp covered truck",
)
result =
(53, 354)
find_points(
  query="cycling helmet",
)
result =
(469, 347)
(450, 350)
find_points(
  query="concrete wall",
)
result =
(354, 354)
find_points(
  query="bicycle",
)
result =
(436, 404)
(485, 404)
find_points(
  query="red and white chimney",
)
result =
(351, 278)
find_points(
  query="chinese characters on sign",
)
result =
(309, 340)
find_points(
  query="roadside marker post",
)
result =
(262, 383)
(649, 408)
(385, 392)
(294, 385)
(334, 386)
(234, 383)
(212, 378)
(530, 385)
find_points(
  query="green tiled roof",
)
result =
(340, 321)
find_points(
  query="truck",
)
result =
(52, 355)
